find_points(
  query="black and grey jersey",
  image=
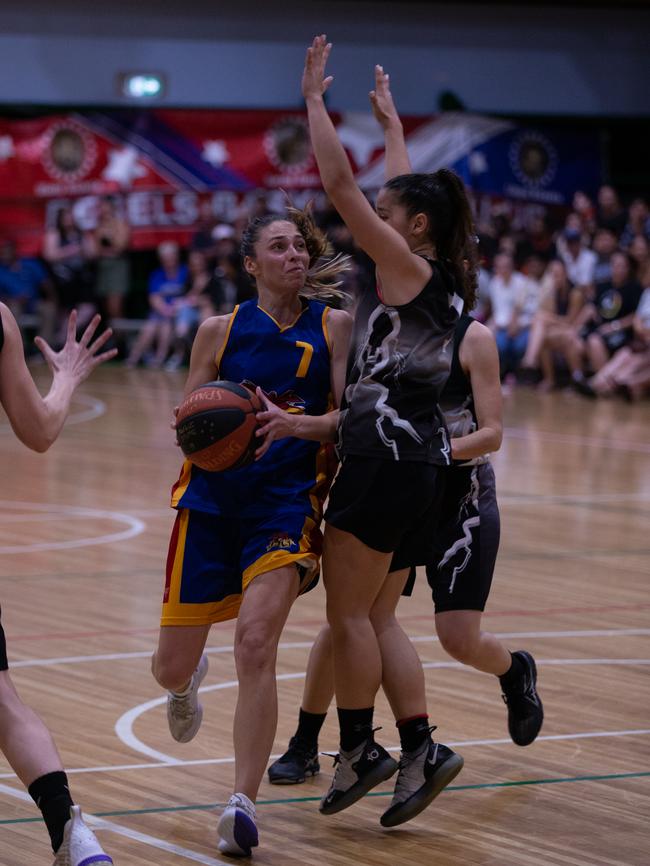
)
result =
(399, 362)
(457, 399)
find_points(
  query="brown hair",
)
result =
(324, 269)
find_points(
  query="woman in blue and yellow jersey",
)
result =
(247, 541)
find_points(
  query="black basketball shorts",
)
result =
(4, 664)
(391, 506)
(467, 541)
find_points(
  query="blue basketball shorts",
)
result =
(213, 559)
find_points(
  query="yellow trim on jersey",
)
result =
(182, 484)
(326, 332)
(275, 321)
(219, 355)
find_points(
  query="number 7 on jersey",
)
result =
(305, 361)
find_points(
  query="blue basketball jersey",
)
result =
(291, 364)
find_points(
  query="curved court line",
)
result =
(135, 526)
(124, 725)
(95, 408)
(142, 654)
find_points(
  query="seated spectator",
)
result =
(537, 241)
(553, 331)
(607, 321)
(203, 239)
(584, 209)
(511, 312)
(639, 251)
(230, 284)
(25, 287)
(638, 222)
(110, 244)
(579, 260)
(628, 371)
(604, 245)
(67, 250)
(166, 287)
(609, 212)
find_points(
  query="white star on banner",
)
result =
(361, 135)
(6, 147)
(123, 166)
(215, 152)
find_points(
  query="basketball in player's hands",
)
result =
(216, 426)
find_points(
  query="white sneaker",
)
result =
(80, 846)
(184, 712)
(237, 829)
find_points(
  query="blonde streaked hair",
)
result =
(325, 269)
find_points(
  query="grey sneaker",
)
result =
(356, 773)
(237, 828)
(184, 712)
(422, 776)
(80, 846)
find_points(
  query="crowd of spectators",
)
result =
(567, 295)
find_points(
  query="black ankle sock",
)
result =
(413, 732)
(513, 675)
(356, 727)
(51, 795)
(309, 725)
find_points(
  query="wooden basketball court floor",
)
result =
(83, 537)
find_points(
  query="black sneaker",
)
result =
(299, 761)
(525, 710)
(422, 776)
(356, 773)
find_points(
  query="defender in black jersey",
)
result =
(425, 767)
(393, 443)
(459, 572)
(37, 421)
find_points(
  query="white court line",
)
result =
(152, 841)
(575, 439)
(572, 499)
(124, 725)
(135, 526)
(143, 654)
(201, 762)
(95, 408)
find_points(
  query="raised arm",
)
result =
(383, 107)
(37, 420)
(403, 274)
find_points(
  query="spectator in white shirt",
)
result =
(511, 312)
(578, 259)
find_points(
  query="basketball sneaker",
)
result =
(299, 761)
(356, 773)
(184, 712)
(422, 776)
(525, 710)
(237, 829)
(80, 846)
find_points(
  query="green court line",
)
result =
(208, 806)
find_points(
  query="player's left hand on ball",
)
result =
(276, 424)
